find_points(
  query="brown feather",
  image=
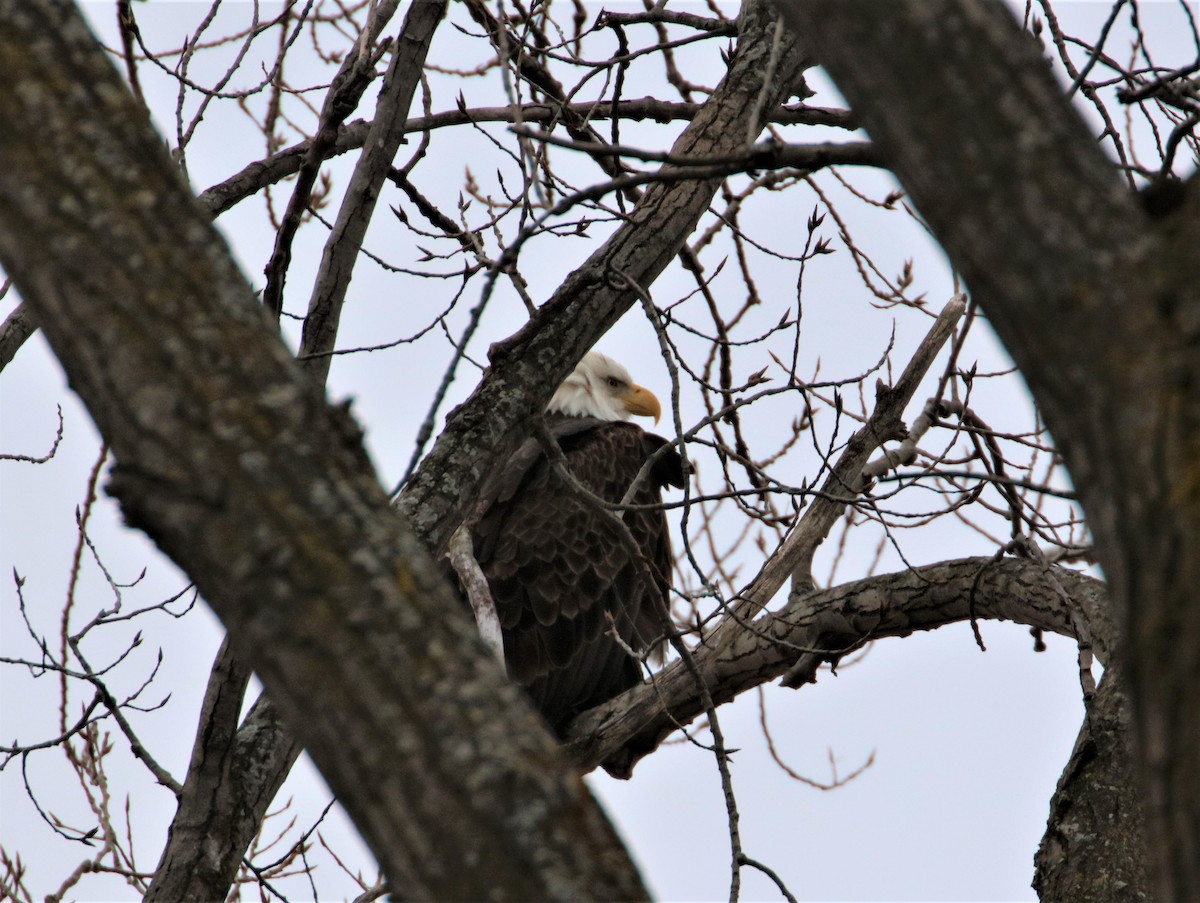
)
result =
(559, 573)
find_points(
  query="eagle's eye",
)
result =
(614, 383)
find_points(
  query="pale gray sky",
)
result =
(967, 745)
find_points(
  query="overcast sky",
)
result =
(967, 745)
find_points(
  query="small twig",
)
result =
(53, 448)
(770, 873)
(139, 751)
(356, 73)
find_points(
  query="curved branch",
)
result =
(823, 625)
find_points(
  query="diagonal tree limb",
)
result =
(271, 736)
(352, 78)
(794, 556)
(387, 131)
(264, 495)
(526, 367)
(16, 328)
(211, 830)
(233, 776)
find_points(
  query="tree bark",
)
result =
(1095, 843)
(16, 328)
(1098, 305)
(234, 774)
(263, 494)
(236, 771)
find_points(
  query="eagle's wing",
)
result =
(560, 574)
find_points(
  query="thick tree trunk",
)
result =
(237, 769)
(1098, 305)
(262, 493)
(723, 120)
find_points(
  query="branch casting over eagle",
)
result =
(572, 598)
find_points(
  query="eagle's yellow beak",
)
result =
(642, 403)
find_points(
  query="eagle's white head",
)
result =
(600, 387)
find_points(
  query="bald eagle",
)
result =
(571, 597)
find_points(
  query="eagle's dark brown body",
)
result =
(559, 573)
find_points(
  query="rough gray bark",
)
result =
(234, 775)
(263, 495)
(1099, 306)
(236, 771)
(1095, 845)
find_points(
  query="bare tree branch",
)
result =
(794, 557)
(279, 166)
(527, 367)
(17, 327)
(217, 816)
(822, 626)
(387, 131)
(356, 73)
